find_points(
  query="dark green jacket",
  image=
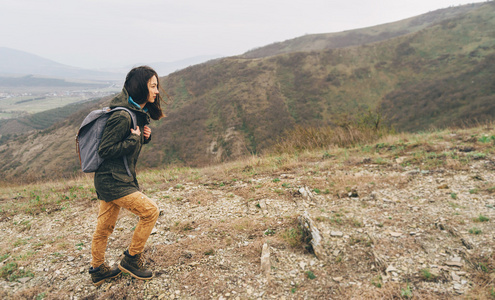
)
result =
(111, 178)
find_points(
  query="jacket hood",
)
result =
(122, 100)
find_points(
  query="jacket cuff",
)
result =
(147, 140)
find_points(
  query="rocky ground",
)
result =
(401, 219)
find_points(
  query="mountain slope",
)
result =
(315, 42)
(236, 106)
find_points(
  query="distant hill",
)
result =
(165, 68)
(15, 63)
(438, 75)
(356, 37)
(32, 81)
(19, 63)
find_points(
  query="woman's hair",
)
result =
(136, 85)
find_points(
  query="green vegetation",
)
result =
(483, 267)
(294, 289)
(45, 119)
(41, 198)
(481, 218)
(486, 139)
(269, 231)
(293, 237)
(427, 275)
(310, 275)
(11, 272)
(377, 281)
(475, 231)
(209, 252)
(406, 293)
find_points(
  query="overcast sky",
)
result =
(104, 33)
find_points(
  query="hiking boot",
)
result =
(134, 265)
(103, 272)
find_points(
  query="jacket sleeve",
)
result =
(147, 140)
(117, 139)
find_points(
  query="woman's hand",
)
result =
(146, 132)
(137, 130)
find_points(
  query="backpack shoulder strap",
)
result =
(131, 113)
(134, 126)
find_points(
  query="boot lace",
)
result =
(104, 268)
(140, 260)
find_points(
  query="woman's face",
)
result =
(152, 89)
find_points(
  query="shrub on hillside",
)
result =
(349, 131)
(308, 137)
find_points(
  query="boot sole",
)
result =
(103, 280)
(134, 275)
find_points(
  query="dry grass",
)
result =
(309, 138)
(44, 197)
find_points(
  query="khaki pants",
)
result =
(137, 203)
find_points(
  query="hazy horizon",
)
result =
(111, 33)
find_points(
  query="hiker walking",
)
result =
(115, 180)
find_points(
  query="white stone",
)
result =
(24, 279)
(391, 269)
(265, 261)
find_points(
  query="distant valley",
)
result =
(31, 84)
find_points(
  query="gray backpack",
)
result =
(89, 136)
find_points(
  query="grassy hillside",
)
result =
(316, 42)
(406, 216)
(236, 106)
(437, 74)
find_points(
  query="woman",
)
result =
(114, 186)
